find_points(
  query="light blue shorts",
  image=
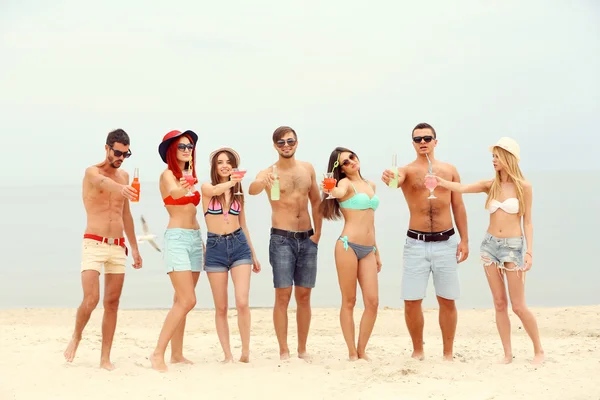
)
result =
(422, 258)
(183, 250)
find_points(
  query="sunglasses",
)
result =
(427, 139)
(290, 142)
(182, 146)
(347, 160)
(119, 153)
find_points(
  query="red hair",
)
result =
(172, 163)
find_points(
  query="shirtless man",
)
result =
(293, 244)
(431, 245)
(105, 193)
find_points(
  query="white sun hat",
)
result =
(509, 145)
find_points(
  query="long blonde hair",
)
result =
(510, 166)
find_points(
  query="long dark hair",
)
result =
(330, 209)
(214, 177)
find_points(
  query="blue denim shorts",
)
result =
(293, 257)
(424, 258)
(502, 250)
(183, 250)
(224, 252)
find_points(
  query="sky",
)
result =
(353, 74)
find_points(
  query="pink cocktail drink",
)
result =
(430, 182)
(189, 177)
(239, 173)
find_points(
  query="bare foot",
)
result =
(284, 356)
(538, 358)
(353, 357)
(158, 363)
(364, 357)
(418, 355)
(245, 358)
(505, 360)
(227, 360)
(305, 356)
(71, 349)
(448, 357)
(180, 360)
(107, 365)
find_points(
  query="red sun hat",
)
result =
(168, 139)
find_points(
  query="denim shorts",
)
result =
(224, 252)
(293, 257)
(438, 258)
(502, 250)
(183, 250)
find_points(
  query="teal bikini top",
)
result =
(360, 201)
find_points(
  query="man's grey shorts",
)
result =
(422, 258)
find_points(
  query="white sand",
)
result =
(32, 364)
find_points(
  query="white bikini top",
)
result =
(510, 205)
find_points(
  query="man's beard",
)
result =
(112, 162)
(290, 155)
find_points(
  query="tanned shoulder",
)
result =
(123, 176)
(308, 166)
(167, 173)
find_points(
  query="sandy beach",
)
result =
(33, 341)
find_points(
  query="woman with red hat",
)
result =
(183, 247)
(228, 246)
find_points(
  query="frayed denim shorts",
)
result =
(500, 251)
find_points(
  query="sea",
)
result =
(43, 228)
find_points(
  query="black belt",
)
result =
(291, 234)
(430, 237)
(234, 233)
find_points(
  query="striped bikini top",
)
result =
(215, 208)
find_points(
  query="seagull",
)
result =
(147, 236)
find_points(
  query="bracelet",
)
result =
(529, 254)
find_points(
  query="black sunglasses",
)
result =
(347, 160)
(119, 153)
(290, 142)
(188, 146)
(417, 139)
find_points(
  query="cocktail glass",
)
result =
(238, 173)
(328, 184)
(430, 181)
(189, 177)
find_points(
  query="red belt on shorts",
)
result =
(117, 241)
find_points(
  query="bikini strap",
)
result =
(355, 192)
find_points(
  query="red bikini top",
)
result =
(195, 199)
